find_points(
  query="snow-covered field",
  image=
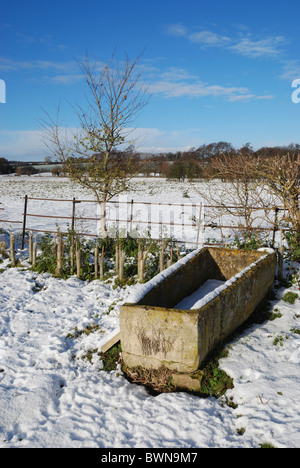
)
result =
(179, 205)
(51, 397)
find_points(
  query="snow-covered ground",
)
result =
(50, 396)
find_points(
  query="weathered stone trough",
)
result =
(160, 326)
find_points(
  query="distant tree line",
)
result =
(5, 167)
(199, 162)
(25, 168)
(191, 164)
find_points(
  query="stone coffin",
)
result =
(156, 331)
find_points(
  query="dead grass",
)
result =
(155, 380)
(3, 249)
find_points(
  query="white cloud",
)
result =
(18, 65)
(291, 70)
(245, 44)
(241, 97)
(265, 97)
(195, 88)
(208, 38)
(157, 141)
(27, 145)
(177, 74)
(268, 47)
(176, 30)
(21, 144)
(178, 82)
(64, 79)
(248, 97)
(57, 72)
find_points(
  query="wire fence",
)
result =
(184, 221)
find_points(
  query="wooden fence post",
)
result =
(121, 264)
(170, 260)
(101, 262)
(226, 241)
(96, 260)
(142, 257)
(24, 222)
(12, 250)
(54, 246)
(140, 263)
(131, 217)
(160, 225)
(178, 253)
(161, 257)
(73, 214)
(30, 247)
(59, 256)
(34, 252)
(117, 258)
(72, 255)
(78, 259)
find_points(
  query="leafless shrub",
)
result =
(235, 194)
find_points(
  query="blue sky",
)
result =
(219, 70)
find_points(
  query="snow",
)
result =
(194, 301)
(212, 288)
(50, 396)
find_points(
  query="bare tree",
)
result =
(280, 174)
(249, 187)
(114, 99)
(234, 193)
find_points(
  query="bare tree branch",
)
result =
(115, 98)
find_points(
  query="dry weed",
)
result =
(3, 249)
(156, 380)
